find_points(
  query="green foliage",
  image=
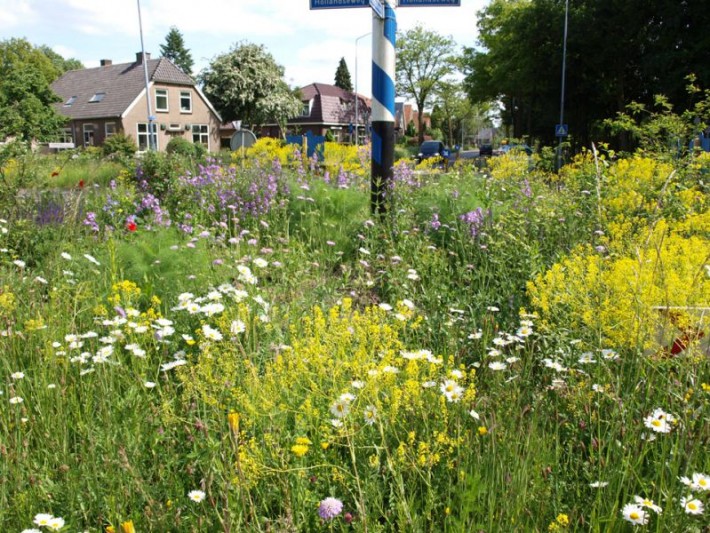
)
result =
(342, 76)
(518, 61)
(247, 84)
(174, 50)
(61, 64)
(396, 363)
(26, 98)
(425, 60)
(120, 144)
(183, 147)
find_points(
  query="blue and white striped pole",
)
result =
(383, 76)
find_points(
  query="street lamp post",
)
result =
(562, 91)
(151, 118)
(357, 96)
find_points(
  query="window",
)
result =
(185, 102)
(201, 134)
(143, 144)
(161, 100)
(306, 109)
(69, 102)
(66, 136)
(88, 135)
(97, 98)
(110, 129)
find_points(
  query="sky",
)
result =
(307, 43)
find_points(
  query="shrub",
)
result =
(183, 147)
(119, 145)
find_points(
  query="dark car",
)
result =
(486, 149)
(429, 149)
(506, 148)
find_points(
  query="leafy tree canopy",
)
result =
(617, 52)
(62, 65)
(247, 84)
(174, 50)
(26, 98)
(342, 76)
(424, 61)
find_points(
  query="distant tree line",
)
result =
(617, 52)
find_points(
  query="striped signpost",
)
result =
(384, 30)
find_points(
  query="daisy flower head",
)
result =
(196, 495)
(698, 482)
(497, 365)
(598, 484)
(692, 505)
(330, 508)
(635, 514)
(645, 502)
(56, 523)
(370, 414)
(17, 375)
(42, 519)
(340, 408)
(660, 421)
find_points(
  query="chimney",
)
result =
(139, 57)
(106, 62)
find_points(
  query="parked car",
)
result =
(429, 149)
(485, 149)
(506, 148)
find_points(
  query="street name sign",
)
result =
(338, 4)
(378, 8)
(428, 3)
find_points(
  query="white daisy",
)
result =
(635, 514)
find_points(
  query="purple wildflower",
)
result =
(330, 508)
(435, 224)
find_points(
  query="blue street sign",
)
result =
(337, 4)
(561, 130)
(428, 3)
(378, 8)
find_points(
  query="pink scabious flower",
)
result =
(330, 508)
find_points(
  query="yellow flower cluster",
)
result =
(345, 382)
(337, 156)
(7, 301)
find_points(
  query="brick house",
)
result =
(102, 101)
(327, 108)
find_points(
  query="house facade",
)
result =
(100, 102)
(328, 109)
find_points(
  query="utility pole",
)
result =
(151, 118)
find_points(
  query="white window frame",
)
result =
(307, 108)
(70, 101)
(144, 135)
(186, 95)
(108, 132)
(98, 97)
(201, 134)
(89, 134)
(160, 93)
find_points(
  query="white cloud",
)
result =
(308, 43)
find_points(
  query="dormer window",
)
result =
(69, 102)
(307, 108)
(97, 98)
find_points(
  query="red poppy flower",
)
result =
(81, 184)
(131, 226)
(55, 173)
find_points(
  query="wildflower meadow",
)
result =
(238, 344)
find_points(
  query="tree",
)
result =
(424, 60)
(646, 49)
(174, 50)
(342, 76)
(247, 84)
(26, 98)
(62, 65)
